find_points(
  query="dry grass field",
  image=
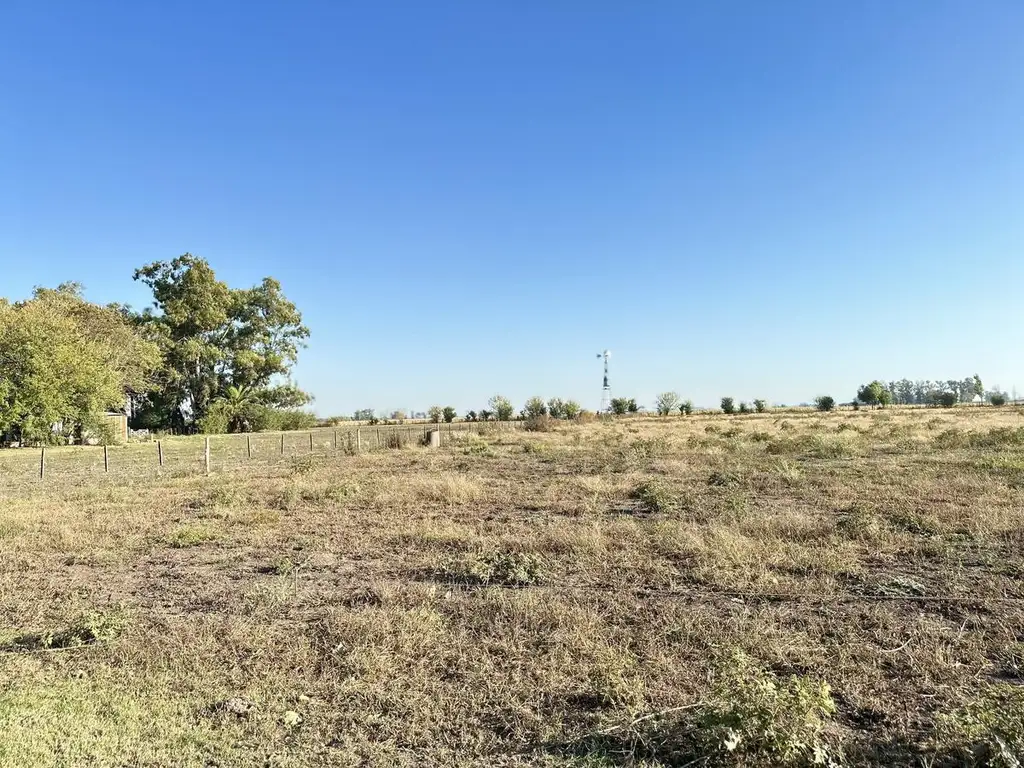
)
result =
(751, 590)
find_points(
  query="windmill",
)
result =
(606, 390)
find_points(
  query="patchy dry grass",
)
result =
(751, 590)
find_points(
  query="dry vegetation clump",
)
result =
(835, 588)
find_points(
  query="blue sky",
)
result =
(752, 199)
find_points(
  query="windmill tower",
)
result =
(606, 391)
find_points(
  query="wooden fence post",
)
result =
(248, 447)
(206, 455)
(359, 441)
(378, 437)
(42, 462)
(106, 462)
(335, 439)
(310, 442)
(282, 443)
(160, 453)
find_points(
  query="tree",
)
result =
(398, 415)
(666, 402)
(946, 399)
(471, 416)
(686, 407)
(998, 399)
(744, 407)
(535, 407)
(874, 393)
(64, 360)
(502, 407)
(363, 414)
(631, 406)
(556, 407)
(728, 405)
(449, 414)
(979, 388)
(435, 413)
(825, 403)
(572, 409)
(486, 415)
(212, 337)
(760, 406)
(620, 406)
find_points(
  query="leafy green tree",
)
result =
(486, 415)
(435, 413)
(666, 402)
(631, 406)
(998, 399)
(502, 407)
(449, 414)
(556, 408)
(979, 388)
(728, 405)
(946, 399)
(620, 406)
(744, 407)
(825, 403)
(64, 360)
(470, 415)
(874, 393)
(760, 406)
(535, 407)
(572, 409)
(213, 337)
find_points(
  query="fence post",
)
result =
(282, 443)
(206, 455)
(359, 441)
(335, 440)
(248, 447)
(106, 462)
(310, 442)
(42, 462)
(160, 453)
(378, 437)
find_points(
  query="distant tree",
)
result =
(760, 406)
(728, 405)
(874, 393)
(486, 415)
(825, 403)
(449, 414)
(666, 402)
(631, 406)
(398, 415)
(979, 388)
(470, 415)
(998, 399)
(556, 407)
(363, 414)
(502, 407)
(435, 413)
(744, 407)
(620, 406)
(946, 399)
(686, 407)
(572, 409)
(535, 407)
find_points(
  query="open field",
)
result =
(650, 592)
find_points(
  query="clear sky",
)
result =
(753, 199)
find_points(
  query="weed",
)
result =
(509, 568)
(190, 536)
(723, 479)
(86, 629)
(654, 497)
(989, 730)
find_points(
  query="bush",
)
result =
(449, 414)
(556, 408)
(535, 407)
(502, 407)
(728, 405)
(666, 402)
(541, 423)
(572, 409)
(989, 730)
(761, 406)
(744, 408)
(946, 399)
(825, 403)
(631, 406)
(435, 413)
(998, 399)
(620, 406)
(755, 717)
(654, 497)
(686, 407)
(510, 568)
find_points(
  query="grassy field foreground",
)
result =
(757, 590)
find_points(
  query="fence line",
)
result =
(184, 456)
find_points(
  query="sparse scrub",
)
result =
(988, 731)
(654, 497)
(87, 628)
(507, 568)
(191, 536)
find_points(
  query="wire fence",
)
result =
(185, 456)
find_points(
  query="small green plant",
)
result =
(190, 536)
(509, 568)
(825, 403)
(86, 629)
(654, 497)
(989, 730)
(728, 405)
(761, 406)
(757, 718)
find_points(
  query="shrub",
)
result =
(989, 730)
(825, 402)
(540, 423)
(449, 414)
(470, 415)
(620, 406)
(511, 568)
(666, 402)
(572, 409)
(761, 406)
(744, 408)
(757, 718)
(728, 405)
(86, 629)
(556, 408)
(435, 413)
(686, 407)
(631, 406)
(998, 399)
(502, 407)
(654, 497)
(946, 399)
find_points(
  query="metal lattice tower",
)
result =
(606, 391)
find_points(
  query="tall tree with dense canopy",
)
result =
(64, 361)
(213, 337)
